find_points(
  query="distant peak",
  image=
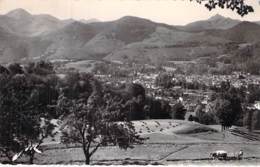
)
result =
(18, 13)
(75, 23)
(93, 20)
(216, 17)
(133, 18)
(128, 17)
(248, 23)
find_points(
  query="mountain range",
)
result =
(27, 37)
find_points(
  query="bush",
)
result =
(190, 118)
(178, 111)
(203, 117)
(157, 109)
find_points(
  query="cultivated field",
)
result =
(170, 142)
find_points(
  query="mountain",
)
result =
(22, 23)
(131, 29)
(214, 22)
(24, 36)
(89, 21)
(68, 21)
(12, 47)
(19, 14)
(242, 32)
(257, 22)
(69, 41)
(77, 40)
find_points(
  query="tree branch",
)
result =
(95, 149)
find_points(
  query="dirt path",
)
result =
(161, 160)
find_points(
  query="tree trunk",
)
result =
(249, 123)
(31, 158)
(87, 155)
(87, 160)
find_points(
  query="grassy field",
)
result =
(170, 142)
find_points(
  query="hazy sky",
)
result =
(175, 12)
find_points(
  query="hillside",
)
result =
(169, 45)
(12, 48)
(243, 32)
(25, 36)
(131, 29)
(68, 42)
(214, 22)
(21, 22)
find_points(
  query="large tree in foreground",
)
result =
(93, 121)
(25, 118)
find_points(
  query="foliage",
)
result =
(157, 109)
(15, 68)
(253, 94)
(24, 106)
(96, 121)
(191, 118)
(227, 108)
(40, 68)
(203, 117)
(238, 5)
(135, 90)
(4, 70)
(251, 66)
(208, 118)
(136, 110)
(256, 120)
(247, 119)
(178, 111)
(135, 104)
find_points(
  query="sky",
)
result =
(174, 12)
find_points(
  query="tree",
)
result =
(4, 70)
(191, 118)
(136, 103)
(204, 117)
(238, 5)
(158, 109)
(256, 120)
(40, 68)
(15, 68)
(178, 111)
(227, 109)
(24, 118)
(253, 94)
(135, 90)
(247, 119)
(96, 121)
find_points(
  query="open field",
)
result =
(170, 142)
(150, 153)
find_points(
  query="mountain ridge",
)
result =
(46, 37)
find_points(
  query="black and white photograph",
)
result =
(130, 82)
